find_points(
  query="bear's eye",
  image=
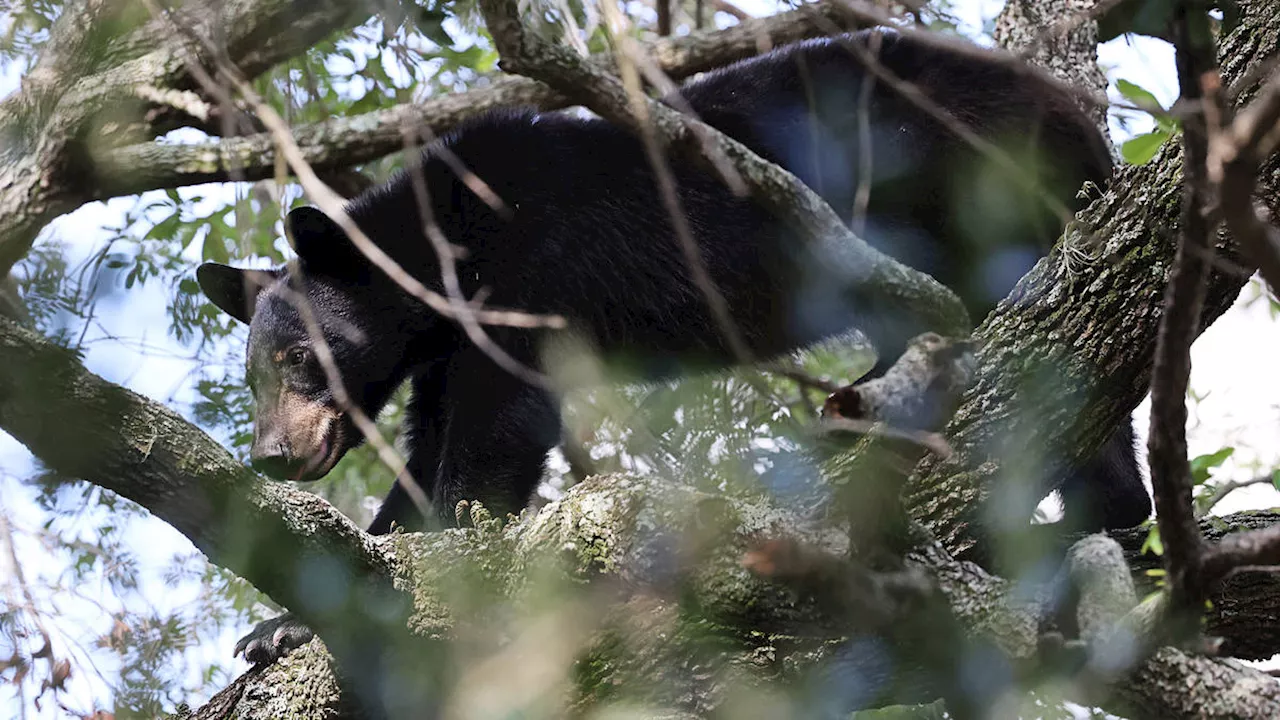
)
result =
(296, 356)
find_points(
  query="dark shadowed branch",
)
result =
(1253, 550)
(1179, 323)
(1236, 150)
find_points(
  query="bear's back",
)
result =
(936, 202)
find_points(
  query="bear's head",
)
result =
(328, 317)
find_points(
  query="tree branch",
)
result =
(345, 141)
(1219, 492)
(1235, 152)
(142, 450)
(1257, 548)
(1056, 369)
(619, 528)
(145, 452)
(1179, 324)
(51, 128)
(1245, 603)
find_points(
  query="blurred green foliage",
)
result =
(138, 652)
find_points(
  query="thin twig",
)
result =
(727, 7)
(862, 197)
(1222, 491)
(931, 441)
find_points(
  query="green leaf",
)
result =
(1275, 478)
(1153, 542)
(215, 250)
(1200, 466)
(1140, 150)
(1139, 96)
(370, 101)
(1168, 123)
(165, 229)
(186, 233)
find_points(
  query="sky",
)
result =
(1233, 366)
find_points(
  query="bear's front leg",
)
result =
(425, 422)
(273, 639)
(497, 431)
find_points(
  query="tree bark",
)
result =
(80, 101)
(603, 531)
(1245, 607)
(1069, 353)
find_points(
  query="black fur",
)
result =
(584, 235)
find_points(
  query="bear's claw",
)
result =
(273, 639)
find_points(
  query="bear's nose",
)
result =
(280, 464)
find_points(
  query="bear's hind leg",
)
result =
(1107, 493)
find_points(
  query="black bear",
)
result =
(582, 233)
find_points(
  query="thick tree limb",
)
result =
(1174, 684)
(346, 141)
(1236, 148)
(1260, 548)
(1166, 686)
(1245, 604)
(51, 128)
(1057, 369)
(147, 453)
(1061, 37)
(138, 448)
(143, 451)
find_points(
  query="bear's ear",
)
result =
(321, 245)
(234, 290)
